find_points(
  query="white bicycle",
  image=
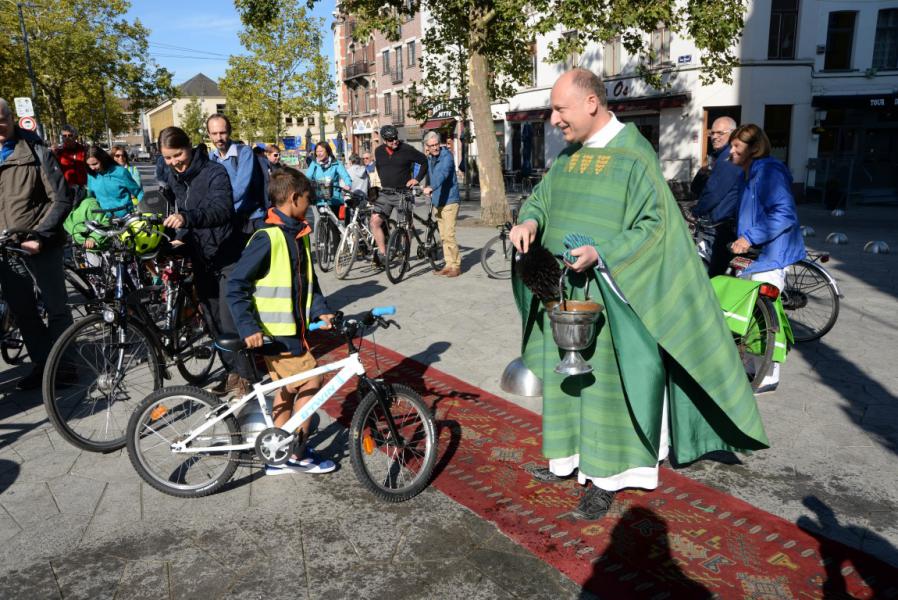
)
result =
(185, 442)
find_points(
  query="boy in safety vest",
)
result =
(273, 291)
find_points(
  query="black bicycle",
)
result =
(496, 255)
(400, 241)
(105, 364)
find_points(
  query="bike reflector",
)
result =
(769, 291)
(158, 412)
(368, 443)
(382, 311)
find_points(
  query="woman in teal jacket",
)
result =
(326, 172)
(110, 183)
(120, 155)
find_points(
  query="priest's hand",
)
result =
(587, 257)
(522, 235)
(740, 246)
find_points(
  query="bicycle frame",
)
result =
(347, 367)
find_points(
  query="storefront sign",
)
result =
(361, 127)
(875, 101)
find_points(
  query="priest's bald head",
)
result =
(579, 105)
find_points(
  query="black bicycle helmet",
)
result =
(389, 133)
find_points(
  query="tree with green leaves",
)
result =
(491, 36)
(193, 121)
(283, 72)
(83, 51)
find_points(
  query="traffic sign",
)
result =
(24, 107)
(28, 123)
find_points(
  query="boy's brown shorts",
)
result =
(285, 365)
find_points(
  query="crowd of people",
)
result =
(240, 215)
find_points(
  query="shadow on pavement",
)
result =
(640, 542)
(844, 377)
(836, 556)
(337, 299)
(9, 472)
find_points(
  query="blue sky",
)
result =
(197, 36)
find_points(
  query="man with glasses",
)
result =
(398, 166)
(719, 200)
(72, 157)
(442, 187)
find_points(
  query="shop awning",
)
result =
(528, 115)
(862, 101)
(437, 123)
(655, 103)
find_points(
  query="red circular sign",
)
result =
(28, 123)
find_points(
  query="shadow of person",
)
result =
(835, 555)
(639, 541)
(9, 472)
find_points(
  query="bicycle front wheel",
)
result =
(398, 247)
(96, 374)
(193, 342)
(323, 244)
(810, 300)
(756, 346)
(495, 258)
(435, 250)
(164, 417)
(346, 252)
(393, 468)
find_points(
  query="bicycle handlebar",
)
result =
(349, 327)
(14, 234)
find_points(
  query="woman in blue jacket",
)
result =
(327, 173)
(110, 183)
(767, 215)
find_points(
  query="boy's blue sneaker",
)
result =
(312, 462)
(284, 469)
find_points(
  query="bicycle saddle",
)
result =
(230, 342)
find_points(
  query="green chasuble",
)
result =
(670, 336)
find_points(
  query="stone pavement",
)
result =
(82, 525)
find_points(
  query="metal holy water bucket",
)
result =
(573, 329)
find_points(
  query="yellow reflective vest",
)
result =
(273, 298)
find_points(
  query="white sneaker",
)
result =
(312, 462)
(285, 469)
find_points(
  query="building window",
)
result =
(839, 40)
(311, 121)
(783, 27)
(611, 58)
(386, 55)
(365, 96)
(885, 48)
(400, 109)
(220, 109)
(397, 75)
(778, 126)
(660, 47)
(411, 54)
(572, 60)
(354, 99)
(388, 104)
(300, 122)
(534, 63)
(288, 121)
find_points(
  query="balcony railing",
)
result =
(356, 69)
(396, 74)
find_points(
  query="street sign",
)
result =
(28, 123)
(24, 107)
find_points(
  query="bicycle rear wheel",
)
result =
(193, 341)
(393, 469)
(810, 300)
(398, 247)
(435, 250)
(495, 258)
(167, 415)
(756, 346)
(12, 346)
(346, 252)
(96, 374)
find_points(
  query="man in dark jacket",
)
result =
(33, 195)
(719, 200)
(203, 219)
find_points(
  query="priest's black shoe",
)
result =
(544, 475)
(594, 503)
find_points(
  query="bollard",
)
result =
(837, 238)
(808, 231)
(519, 380)
(876, 247)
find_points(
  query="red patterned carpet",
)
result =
(684, 540)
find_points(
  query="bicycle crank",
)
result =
(274, 446)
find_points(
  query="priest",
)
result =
(666, 374)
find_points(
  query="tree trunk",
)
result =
(493, 204)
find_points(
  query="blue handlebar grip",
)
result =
(316, 325)
(382, 311)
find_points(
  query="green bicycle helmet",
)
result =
(143, 235)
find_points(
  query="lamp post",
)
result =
(321, 133)
(40, 127)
